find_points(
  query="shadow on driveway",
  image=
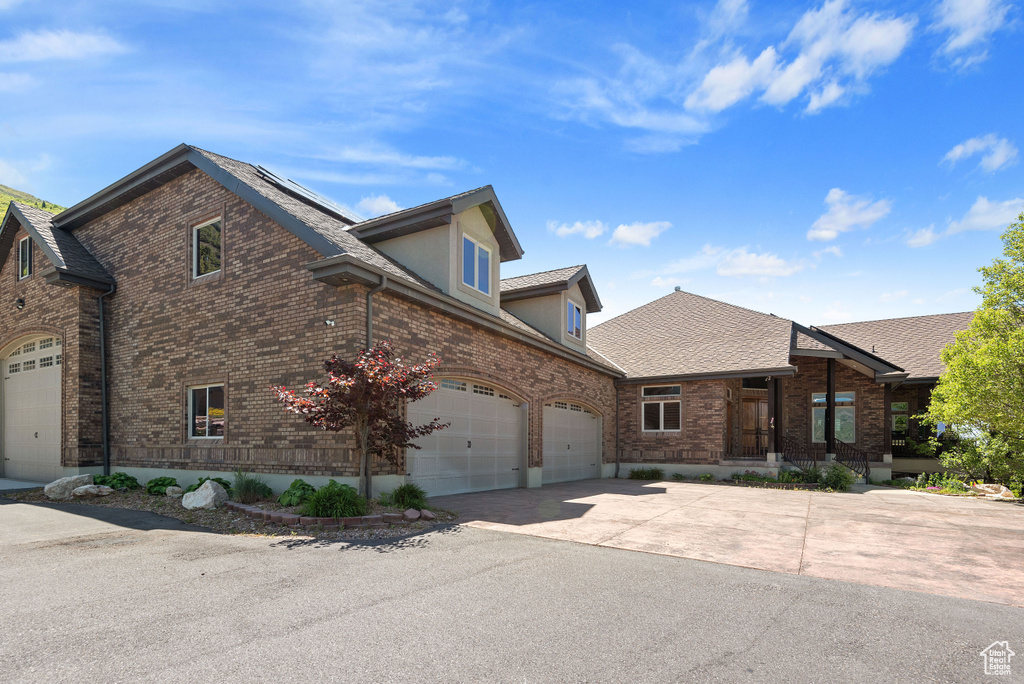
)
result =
(121, 517)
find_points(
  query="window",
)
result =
(46, 362)
(206, 253)
(453, 385)
(476, 265)
(29, 365)
(13, 368)
(662, 416)
(46, 344)
(206, 411)
(846, 422)
(480, 389)
(24, 258)
(663, 391)
(574, 321)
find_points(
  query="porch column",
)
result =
(830, 408)
(774, 417)
(887, 428)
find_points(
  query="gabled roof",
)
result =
(684, 334)
(551, 282)
(73, 264)
(440, 212)
(915, 343)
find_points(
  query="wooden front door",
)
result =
(755, 427)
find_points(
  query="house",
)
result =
(144, 325)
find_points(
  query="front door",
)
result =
(755, 427)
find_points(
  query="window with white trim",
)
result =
(206, 412)
(206, 251)
(846, 417)
(24, 258)
(457, 385)
(574, 320)
(659, 413)
(476, 265)
(481, 389)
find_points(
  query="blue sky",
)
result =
(825, 162)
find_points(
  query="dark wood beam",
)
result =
(887, 413)
(830, 407)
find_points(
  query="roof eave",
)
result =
(778, 372)
(875, 363)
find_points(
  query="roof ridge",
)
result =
(22, 205)
(550, 270)
(895, 318)
(418, 206)
(691, 294)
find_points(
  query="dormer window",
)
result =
(574, 320)
(24, 258)
(476, 265)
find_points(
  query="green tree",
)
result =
(981, 394)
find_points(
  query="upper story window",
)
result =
(476, 265)
(206, 251)
(24, 258)
(206, 411)
(574, 320)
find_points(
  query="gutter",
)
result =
(781, 372)
(103, 382)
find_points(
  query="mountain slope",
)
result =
(7, 194)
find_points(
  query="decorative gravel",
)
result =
(233, 522)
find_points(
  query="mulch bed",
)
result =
(223, 521)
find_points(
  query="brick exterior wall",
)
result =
(259, 322)
(70, 314)
(811, 378)
(702, 439)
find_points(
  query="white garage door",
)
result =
(570, 443)
(479, 451)
(32, 411)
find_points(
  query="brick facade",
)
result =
(259, 322)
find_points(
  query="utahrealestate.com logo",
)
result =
(997, 658)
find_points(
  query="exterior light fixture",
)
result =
(19, 303)
(329, 323)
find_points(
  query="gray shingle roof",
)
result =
(61, 247)
(913, 343)
(557, 276)
(684, 333)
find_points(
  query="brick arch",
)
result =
(470, 372)
(18, 337)
(562, 396)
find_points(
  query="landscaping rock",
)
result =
(997, 491)
(62, 488)
(427, 515)
(92, 490)
(289, 519)
(411, 515)
(209, 495)
(174, 492)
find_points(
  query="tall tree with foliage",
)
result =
(368, 395)
(981, 394)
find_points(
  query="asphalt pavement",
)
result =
(92, 596)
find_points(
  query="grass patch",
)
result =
(405, 496)
(250, 488)
(646, 474)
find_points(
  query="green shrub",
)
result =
(117, 481)
(646, 474)
(678, 477)
(296, 494)
(837, 478)
(408, 495)
(335, 500)
(159, 485)
(250, 488)
(707, 477)
(812, 475)
(219, 480)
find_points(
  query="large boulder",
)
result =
(92, 490)
(62, 488)
(996, 491)
(209, 495)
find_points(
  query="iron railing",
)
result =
(797, 453)
(853, 458)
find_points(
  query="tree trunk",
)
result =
(366, 465)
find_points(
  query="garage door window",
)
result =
(206, 411)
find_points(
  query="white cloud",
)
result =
(893, 296)
(846, 212)
(837, 312)
(727, 84)
(385, 156)
(377, 205)
(13, 82)
(996, 152)
(833, 250)
(639, 233)
(661, 282)
(588, 229)
(923, 237)
(8, 4)
(43, 45)
(970, 25)
(15, 174)
(986, 215)
(740, 262)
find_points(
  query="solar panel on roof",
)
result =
(310, 197)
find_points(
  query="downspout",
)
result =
(368, 473)
(103, 383)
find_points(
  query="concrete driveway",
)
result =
(952, 546)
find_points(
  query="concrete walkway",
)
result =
(963, 547)
(7, 486)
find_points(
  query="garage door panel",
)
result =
(489, 424)
(570, 443)
(32, 413)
